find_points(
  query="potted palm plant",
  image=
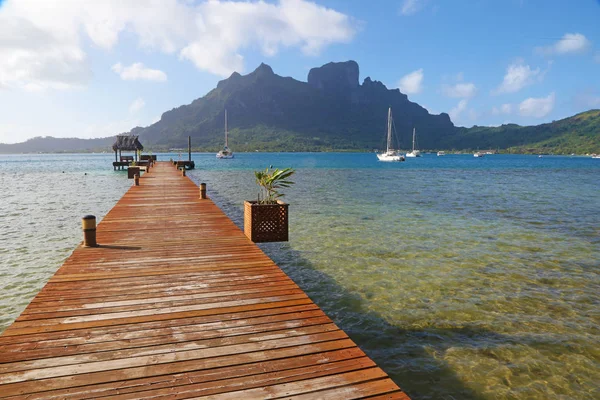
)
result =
(266, 219)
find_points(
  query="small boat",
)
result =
(441, 153)
(226, 152)
(478, 154)
(414, 153)
(390, 154)
(595, 155)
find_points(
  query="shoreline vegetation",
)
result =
(579, 135)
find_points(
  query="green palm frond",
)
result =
(270, 180)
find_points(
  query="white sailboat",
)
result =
(390, 154)
(226, 152)
(413, 153)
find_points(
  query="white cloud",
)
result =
(570, 43)
(537, 107)
(503, 109)
(456, 112)
(42, 42)
(517, 77)
(460, 90)
(410, 7)
(138, 71)
(32, 58)
(411, 83)
(137, 105)
(227, 27)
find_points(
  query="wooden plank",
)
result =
(159, 370)
(349, 382)
(155, 351)
(265, 378)
(145, 338)
(177, 303)
(111, 330)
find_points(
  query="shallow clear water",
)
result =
(462, 277)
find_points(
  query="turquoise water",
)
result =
(462, 277)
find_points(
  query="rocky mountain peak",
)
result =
(335, 76)
(264, 69)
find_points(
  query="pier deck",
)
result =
(178, 303)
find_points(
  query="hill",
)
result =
(578, 134)
(49, 144)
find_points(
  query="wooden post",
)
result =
(88, 223)
(182, 171)
(203, 190)
(189, 148)
(136, 179)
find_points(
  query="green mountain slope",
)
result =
(577, 134)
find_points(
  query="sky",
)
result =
(85, 68)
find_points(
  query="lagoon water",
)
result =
(462, 277)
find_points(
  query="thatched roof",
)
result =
(127, 143)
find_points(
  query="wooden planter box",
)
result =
(266, 222)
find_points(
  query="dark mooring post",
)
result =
(182, 171)
(88, 223)
(136, 179)
(203, 190)
(189, 148)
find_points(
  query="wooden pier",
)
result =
(177, 303)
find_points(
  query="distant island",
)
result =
(332, 111)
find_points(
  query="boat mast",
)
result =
(413, 139)
(389, 129)
(226, 128)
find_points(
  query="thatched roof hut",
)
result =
(127, 143)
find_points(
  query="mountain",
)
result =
(331, 111)
(51, 144)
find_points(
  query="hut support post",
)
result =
(189, 148)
